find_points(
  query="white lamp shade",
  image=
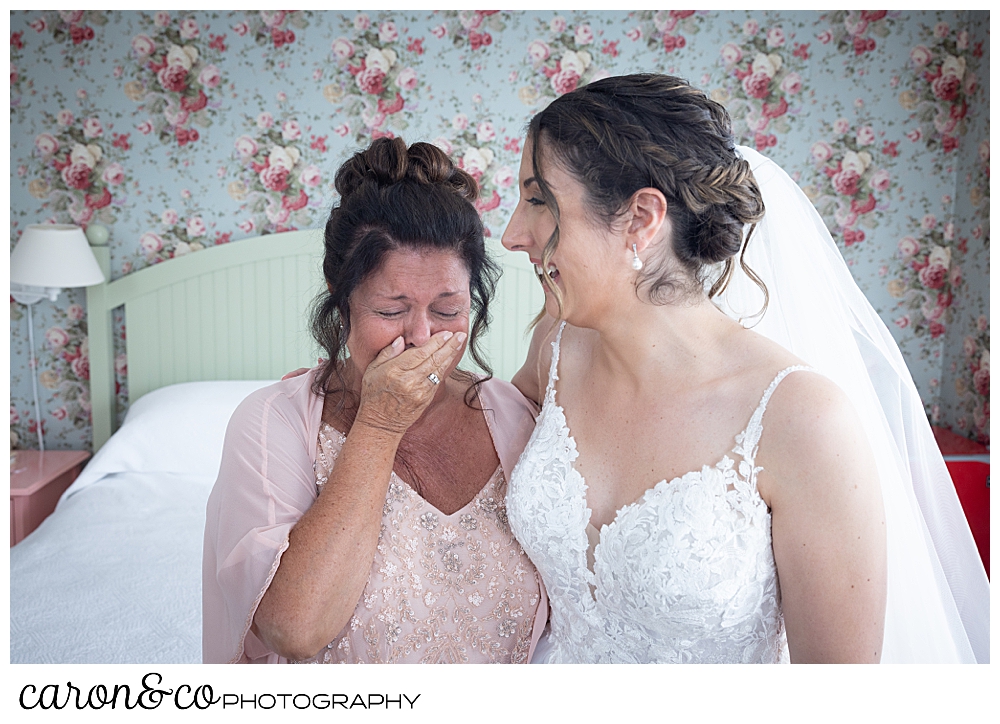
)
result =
(54, 255)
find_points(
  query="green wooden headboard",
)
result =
(239, 311)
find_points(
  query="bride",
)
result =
(802, 511)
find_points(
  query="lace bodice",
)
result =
(443, 588)
(685, 574)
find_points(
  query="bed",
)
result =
(114, 574)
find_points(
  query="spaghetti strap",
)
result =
(748, 439)
(554, 364)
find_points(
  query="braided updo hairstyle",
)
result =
(391, 198)
(624, 133)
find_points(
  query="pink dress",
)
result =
(442, 588)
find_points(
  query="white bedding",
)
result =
(114, 574)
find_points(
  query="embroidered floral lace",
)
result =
(443, 588)
(685, 574)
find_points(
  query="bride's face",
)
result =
(579, 267)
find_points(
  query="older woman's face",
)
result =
(414, 295)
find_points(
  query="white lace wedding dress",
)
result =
(685, 574)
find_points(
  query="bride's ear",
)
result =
(647, 220)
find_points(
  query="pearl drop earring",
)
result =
(636, 261)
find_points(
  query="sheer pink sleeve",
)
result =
(511, 419)
(266, 483)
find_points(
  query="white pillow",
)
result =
(175, 429)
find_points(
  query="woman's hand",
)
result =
(397, 387)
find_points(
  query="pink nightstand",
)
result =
(36, 482)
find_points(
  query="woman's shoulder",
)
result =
(506, 399)
(290, 402)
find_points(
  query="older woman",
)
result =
(359, 514)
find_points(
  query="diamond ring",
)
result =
(433, 378)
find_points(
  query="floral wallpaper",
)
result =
(181, 130)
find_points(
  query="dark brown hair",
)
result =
(624, 133)
(393, 197)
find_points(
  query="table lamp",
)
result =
(47, 259)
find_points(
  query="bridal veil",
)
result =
(938, 593)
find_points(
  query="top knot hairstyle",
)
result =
(624, 133)
(391, 198)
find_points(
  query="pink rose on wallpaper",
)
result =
(936, 329)
(247, 226)
(46, 143)
(310, 176)
(65, 118)
(949, 143)
(946, 87)
(75, 312)
(362, 21)
(841, 126)
(290, 130)
(915, 135)
(407, 79)
(949, 231)
(72, 17)
(114, 174)
(342, 130)
(189, 28)
(143, 45)
(846, 182)
(863, 207)
(775, 38)
(161, 19)
(39, 25)
(241, 29)
(634, 34)
(210, 77)
(272, 19)
(387, 32)
(460, 122)
(150, 242)
(57, 337)
(865, 136)
(169, 217)
(757, 84)
(175, 116)
(196, 227)
(981, 381)
(792, 84)
(538, 51)
(439, 31)
(929, 221)
(565, 81)
(921, 56)
(81, 216)
(470, 20)
(504, 177)
(81, 368)
(92, 128)
(274, 178)
(77, 176)
(485, 132)
(173, 78)
(821, 151)
(265, 120)
(583, 35)
(731, 54)
(277, 215)
(193, 105)
(880, 180)
(370, 81)
(751, 27)
(343, 49)
(294, 203)
(558, 24)
(145, 128)
(60, 412)
(934, 276)
(941, 30)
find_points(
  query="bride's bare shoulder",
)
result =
(533, 376)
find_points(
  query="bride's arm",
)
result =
(827, 522)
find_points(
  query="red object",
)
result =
(969, 464)
(37, 480)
